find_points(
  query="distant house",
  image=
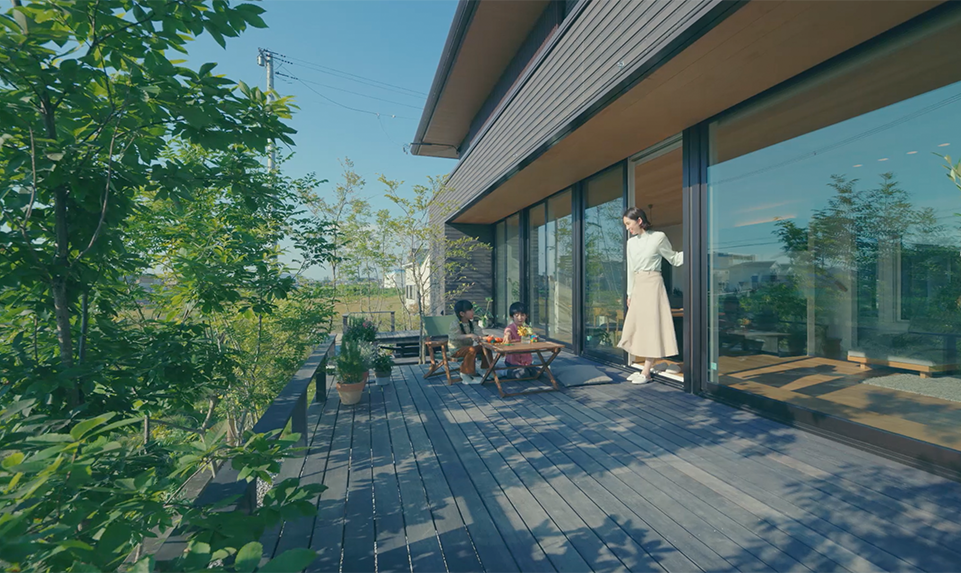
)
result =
(394, 279)
(749, 276)
(411, 292)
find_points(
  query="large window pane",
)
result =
(604, 276)
(834, 243)
(560, 268)
(537, 283)
(507, 242)
(551, 279)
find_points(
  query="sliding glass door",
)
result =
(551, 268)
(604, 267)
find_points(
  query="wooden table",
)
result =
(495, 352)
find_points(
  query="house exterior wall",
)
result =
(596, 49)
(475, 281)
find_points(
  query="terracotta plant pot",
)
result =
(350, 394)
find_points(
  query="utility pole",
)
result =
(266, 59)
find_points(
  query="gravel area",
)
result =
(945, 387)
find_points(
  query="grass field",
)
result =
(383, 303)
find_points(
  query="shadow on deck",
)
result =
(428, 477)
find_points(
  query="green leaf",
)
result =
(81, 429)
(292, 560)
(12, 460)
(248, 557)
(145, 565)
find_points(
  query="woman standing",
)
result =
(648, 327)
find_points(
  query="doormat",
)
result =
(945, 388)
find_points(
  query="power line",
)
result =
(418, 108)
(354, 77)
(337, 103)
(384, 129)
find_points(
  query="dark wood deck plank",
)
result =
(855, 553)
(422, 540)
(770, 544)
(295, 533)
(328, 533)
(625, 540)
(931, 498)
(459, 552)
(741, 547)
(675, 541)
(730, 533)
(523, 545)
(422, 476)
(391, 539)
(937, 530)
(550, 539)
(359, 531)
(563, 509)
(771, 521)
(501, 525)
(871, 532)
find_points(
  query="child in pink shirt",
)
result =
(522, 363)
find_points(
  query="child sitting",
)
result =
(522, 363)
(462, 340)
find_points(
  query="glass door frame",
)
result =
(659, 149)
(580, 205)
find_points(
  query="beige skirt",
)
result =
(649, 327)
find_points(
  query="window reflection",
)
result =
(507, 243)
(552, 256)
(835, 244)
(604, 268)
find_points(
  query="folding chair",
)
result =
(437, 328)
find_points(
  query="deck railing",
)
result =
(393, 323)
(289, 406)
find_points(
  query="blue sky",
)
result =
(395, 42)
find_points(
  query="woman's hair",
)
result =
(638, 215)
(463, 306)
(517, 308)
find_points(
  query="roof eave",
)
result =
(455, 38)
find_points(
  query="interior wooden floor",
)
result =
(835, 387)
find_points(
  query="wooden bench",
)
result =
(925, 368)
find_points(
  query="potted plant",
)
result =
(485, 319)
(383, 362)
(353, 368)
(360, 329)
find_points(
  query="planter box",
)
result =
(351, 394)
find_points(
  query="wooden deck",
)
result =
(428, 477)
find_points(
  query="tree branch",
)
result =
(150, 15)
(106, 195)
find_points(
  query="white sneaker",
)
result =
(638, 378)
(471, 379)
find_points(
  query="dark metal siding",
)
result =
(597, 50)
(545, 26)
(478, 271)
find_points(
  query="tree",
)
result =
(116, 161)
(88, 98)
(212, 236)
(344, 212)
(422, 242)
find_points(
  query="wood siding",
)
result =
(602, 45)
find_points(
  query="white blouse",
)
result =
(644, 252)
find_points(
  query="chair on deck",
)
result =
(437, 328)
